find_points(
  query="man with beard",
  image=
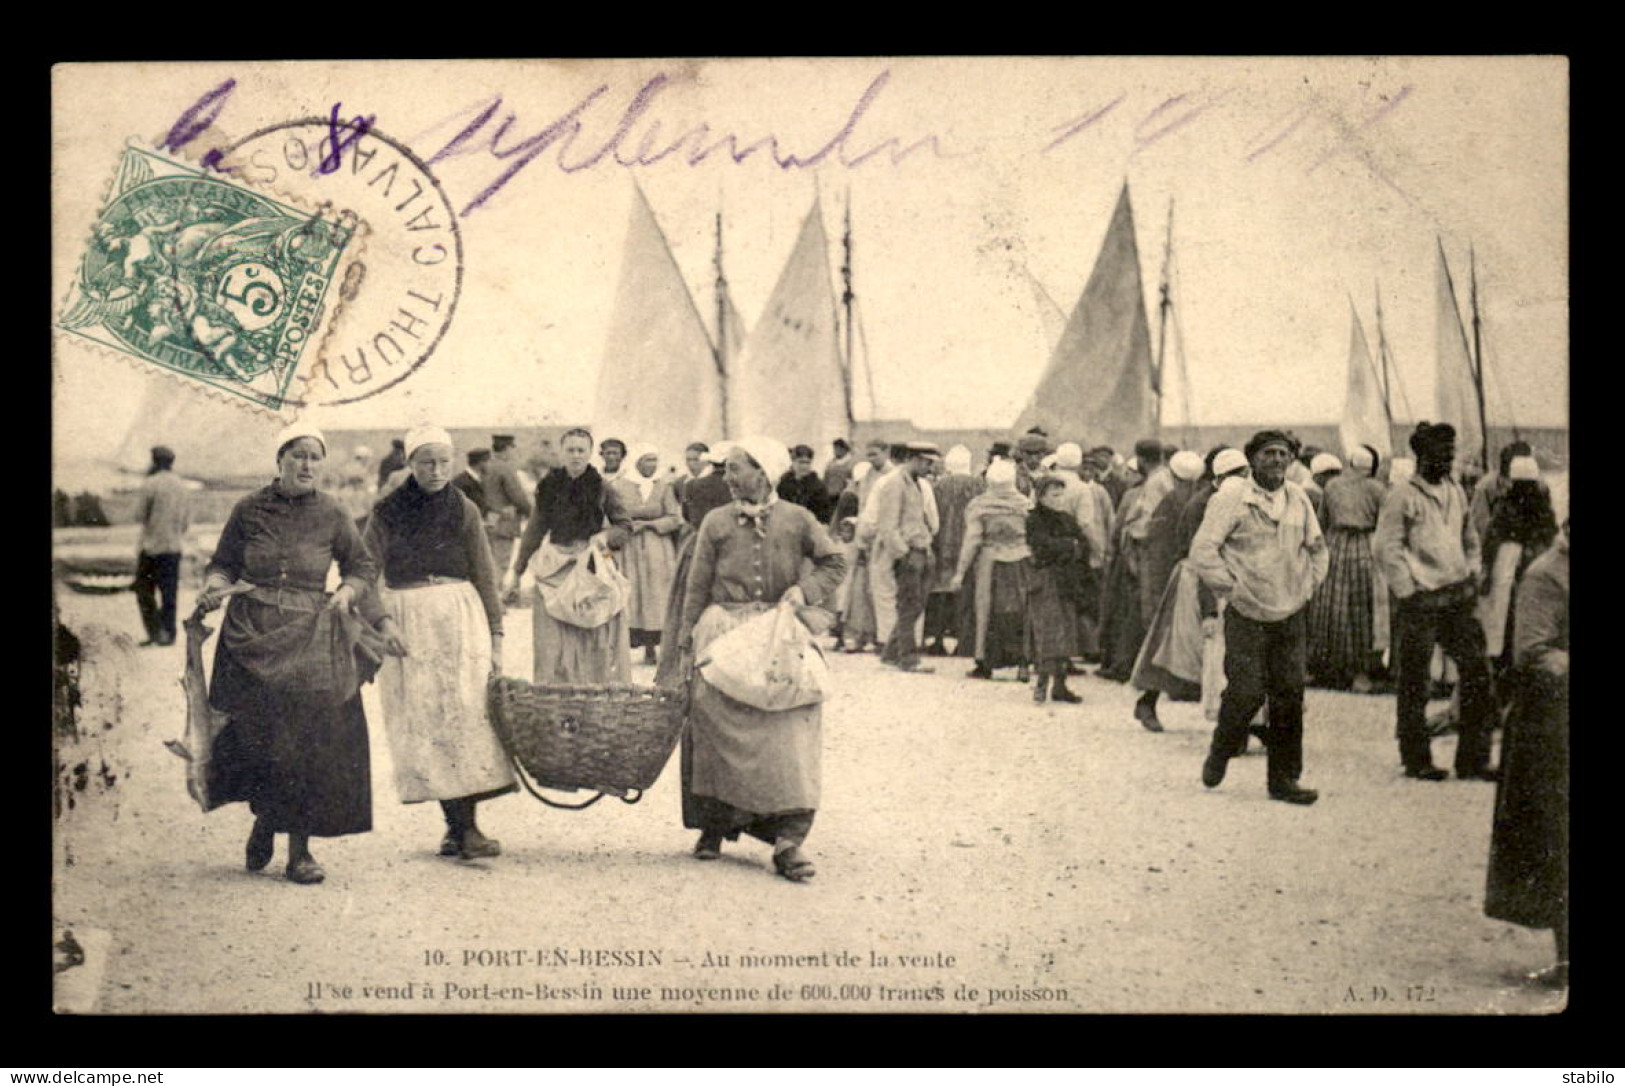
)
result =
(1260, 548)
(1428, 551)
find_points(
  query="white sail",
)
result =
(1097, 388)
(1365, 414)
(658, 382)
(212, 442)
(788, 382)
(1455, 383)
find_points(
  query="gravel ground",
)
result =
(976, 853)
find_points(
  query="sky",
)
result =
(1296, 186)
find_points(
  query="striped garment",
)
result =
(1342, 628)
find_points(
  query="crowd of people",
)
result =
(1230, 577)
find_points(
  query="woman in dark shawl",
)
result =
(1059, 583)
(291, 661)
(1529, 850)
(574, 508)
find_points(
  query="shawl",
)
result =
(425, 533)
(574, 508)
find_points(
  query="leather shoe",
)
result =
(1062, 694)
(305, 871)
(914, 667)
(1213, 770)
(260, 846)
(708, 847)
(1293, 794)
(1426, 773)
(450, 845)
(979, 672)
(1485, 774)
(1147, 716)
(477, 846)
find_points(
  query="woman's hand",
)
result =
(342, 599)
(212, 597)
(392, 638)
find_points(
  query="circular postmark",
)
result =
(400, 298)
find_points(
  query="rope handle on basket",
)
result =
(524, 778)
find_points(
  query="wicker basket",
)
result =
(611, 739)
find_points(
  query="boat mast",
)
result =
(846, 301)
(722, 328)
(1384, 380)
(1164, 303)
(1478, 366)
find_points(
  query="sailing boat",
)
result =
(1099, 384)
(791, 380)
(1458, 374)
(1367, 416)
(661, 380)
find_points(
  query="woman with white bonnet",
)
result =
(578, 514)
(291, 661)
(995, 555)
(1348, 615)
(748, 770)
(649, 559)
(443, 608)
(1170, 657)
(1522, 527)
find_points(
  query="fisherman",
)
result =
(165, 516)
(1260, 548)
(905, 525)
(1429, 554)
(508, 504)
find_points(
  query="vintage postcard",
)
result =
(375, 380)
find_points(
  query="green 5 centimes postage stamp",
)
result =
(207, 278)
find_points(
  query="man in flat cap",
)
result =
(1031, 449)
(505, 498)
(165, 515)
(1428, 550)
(1260, 549)
(905, 525)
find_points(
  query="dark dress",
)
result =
(289, 674)
(1059, 583)
(1529, 849)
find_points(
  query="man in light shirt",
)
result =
(1260, 548)
(165, 516)
(1428, 551)
(905, 524)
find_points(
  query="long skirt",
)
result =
(1001, 612)
(745, 769)
(1052, 620)
(1529, 848)
(563, 653)
(669, 671)
(649, 561)
(301, 762)
(1121, 628)
(1342, 618)
(440, 740)
(1170, 658)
